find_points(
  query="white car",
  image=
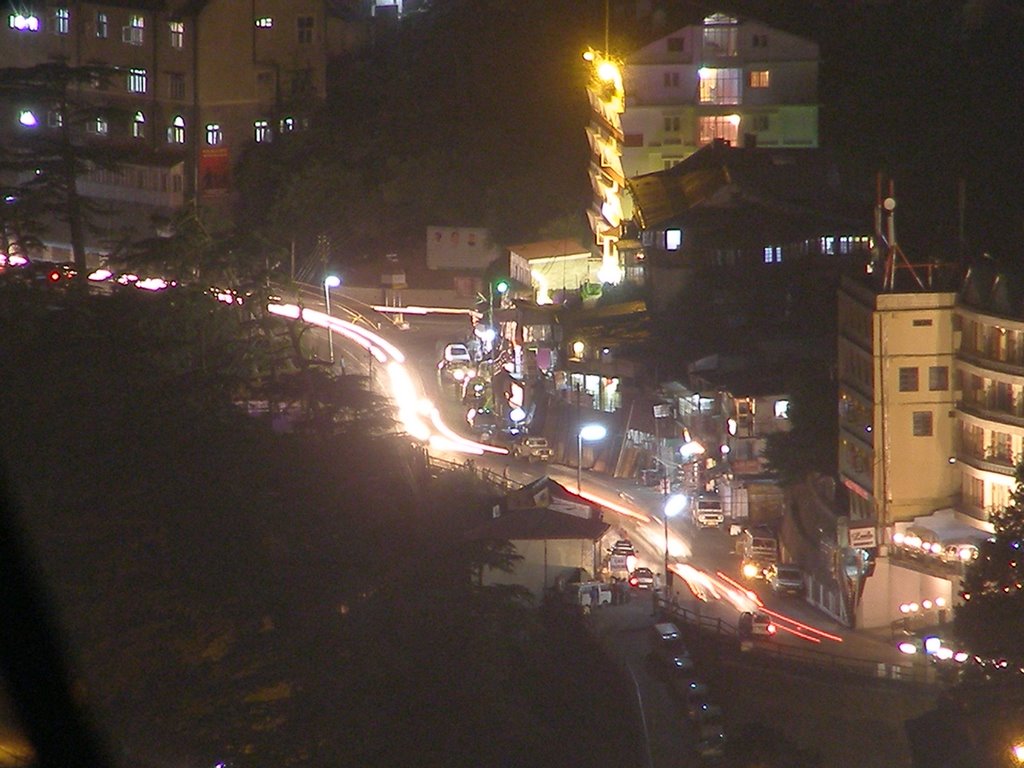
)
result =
(457, 353)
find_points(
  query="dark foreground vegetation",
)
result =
(230, 593)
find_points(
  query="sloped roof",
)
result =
(539, 523)
(726, 191)
(549, 248)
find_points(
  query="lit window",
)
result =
(137, 81)
(782, 409)
(673, 239)
(720, 86)
(304, 25)
(54, 118)
(102, 26)
(132, 34)
(922, 423)
(261, 129)
(773, 254)
(760, 78)
(23, 23)
(287, 124)
(718, 127)
(139, 126)
(62, 21)
(177, 34)
(265, 22)
(98, 125)
(214, 135)
(720, 34)
(28, 118)
(176, 132)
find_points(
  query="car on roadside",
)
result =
(786, 579)
(532, 448)
(695, 696)
(669, 653)
(756, 624)
(641, 578)
(623, 547)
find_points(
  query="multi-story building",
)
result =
(724, 78)
(195, 83)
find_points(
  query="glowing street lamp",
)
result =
(674, 504)
(331, 281)
(590, 433)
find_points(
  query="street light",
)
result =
(331, 281)
(590, 433)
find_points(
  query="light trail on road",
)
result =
(782, 621)
(418, 415)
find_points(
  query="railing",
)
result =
(497, 479)
(793, 659)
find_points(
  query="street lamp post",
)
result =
(674, 504)
(590, 433)
(331, 281)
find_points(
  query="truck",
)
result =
(707, 510)
(758, 546)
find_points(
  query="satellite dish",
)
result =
(889, 203)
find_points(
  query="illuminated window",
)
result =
(177, 29)
(265, 22)
(287, 124)
(139, 126)
(261, 130)
(132, 34)
(718, 127)
(760, 78)
(673, 239)
(102, 26)
(176, 131)
(304, 26)
(782, 409)
(214, 135)
(54, 118)
(720, 86)
(922, 423)
(137, 81)
(773, 254)
(98, 125)
(23, 23)
(62, 21)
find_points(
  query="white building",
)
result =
(725, 78)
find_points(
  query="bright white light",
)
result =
(28, 118)
(897, 538)
(591, 432)
(908, 648)
(927, 604)
(734, 119)
(484, 333)
(332, 281)
(932, 644)
(690, 449)
(151, 284)
(905, 608)
(943, 653)
(675, 504)
(725, 449)
(940, 602)
(517, 415)
(100, 275)
(731, 424)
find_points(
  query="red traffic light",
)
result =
(54, 275)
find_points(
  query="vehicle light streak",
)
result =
(806, 627)
(418, 415)
(615, 507)
(416, 310)
(749, 593)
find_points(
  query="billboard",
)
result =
(459, 248)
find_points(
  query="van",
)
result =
(786, 579)
(457, 353)
(668, 649)
(594, 594)
(708, 511)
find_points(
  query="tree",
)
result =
(49, 160)
(991, 619)
(810, 445)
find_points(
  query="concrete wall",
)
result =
(543, 562)
(891, 585)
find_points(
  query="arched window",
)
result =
(139, 125)
(176, 133)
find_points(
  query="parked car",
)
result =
(786, 579)
(668, 651)
(642, 578)
(594, 594)
(623, 547)
(532, 448)
(695, 696)
(457, 353)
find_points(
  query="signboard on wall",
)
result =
(863, 538)
(459, 248)
(214, 170)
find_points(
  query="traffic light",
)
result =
(501, 287)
